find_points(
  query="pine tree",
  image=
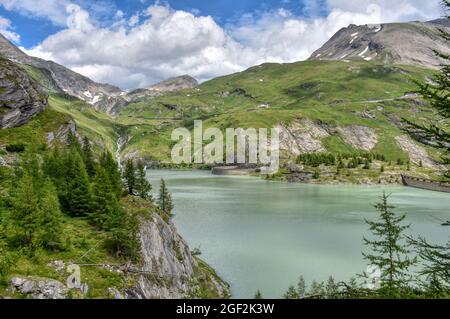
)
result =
(258, 295)
(78, 197)
(50, 217)
(88, 157)
(111, 168)
(301, 287)
(317, 289)
(124, 234)
(389, 252)
(331, 288)
(143, 186)
(291, 293)
(25, 213)
(435, 264)
(165, 199)
(437, 94)
(130, 176)
(104, 201)
(36, 217)
(73, 142)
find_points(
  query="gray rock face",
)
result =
(359, 137)
(62, 134)
(61, 78)
(39, 288)
(401, 43)
(20, 97)
(166, 86)
(417, 154)
(302, 136)
(113, 104)
(168, 266)
(175, 84)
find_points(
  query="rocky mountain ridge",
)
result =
(103, 97)
(64, 80)
(113, 104)
(393, 43)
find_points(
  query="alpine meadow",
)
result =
(305, 156)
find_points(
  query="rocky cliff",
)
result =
(401, 43)
(169, 270)
(175, 84)
(21, 98)
(63, 79)
(113, 104)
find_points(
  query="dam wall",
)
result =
(425, 184)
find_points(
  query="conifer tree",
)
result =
(331, 288)
(111, 168)
(291, 293)
(78, 197)
(389, 251)
(50, 217)
(143, 186)
(301, 287)
(124, 233)
(73, 142)
(36, 217)
(437, 93)
(88, 157)
(25, 214)
(165, 199)
(129, 175)
(258, 295)
(104, 201)
(435, 264)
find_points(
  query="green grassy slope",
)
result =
(328, 91)
(97, 126)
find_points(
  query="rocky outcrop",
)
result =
(112, 105)
(175, 84)
(20, 97)
(169, 270)
(417, 154)
(62, 134)
(401, 43)
(62, 79)
(39, 288)
(359, 137)
(302, 136)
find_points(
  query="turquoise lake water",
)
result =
(262, 235)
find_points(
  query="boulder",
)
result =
(39, 288)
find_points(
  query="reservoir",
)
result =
(262, 235)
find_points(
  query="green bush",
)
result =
(15, 148)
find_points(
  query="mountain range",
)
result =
(394, 43)
(349, 96)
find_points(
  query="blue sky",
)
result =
(34, 28)
(135, 43)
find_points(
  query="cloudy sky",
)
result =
(135, 43)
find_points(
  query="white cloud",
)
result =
(392, 11)
(7, 30)
(54, 10)
(161, 42)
